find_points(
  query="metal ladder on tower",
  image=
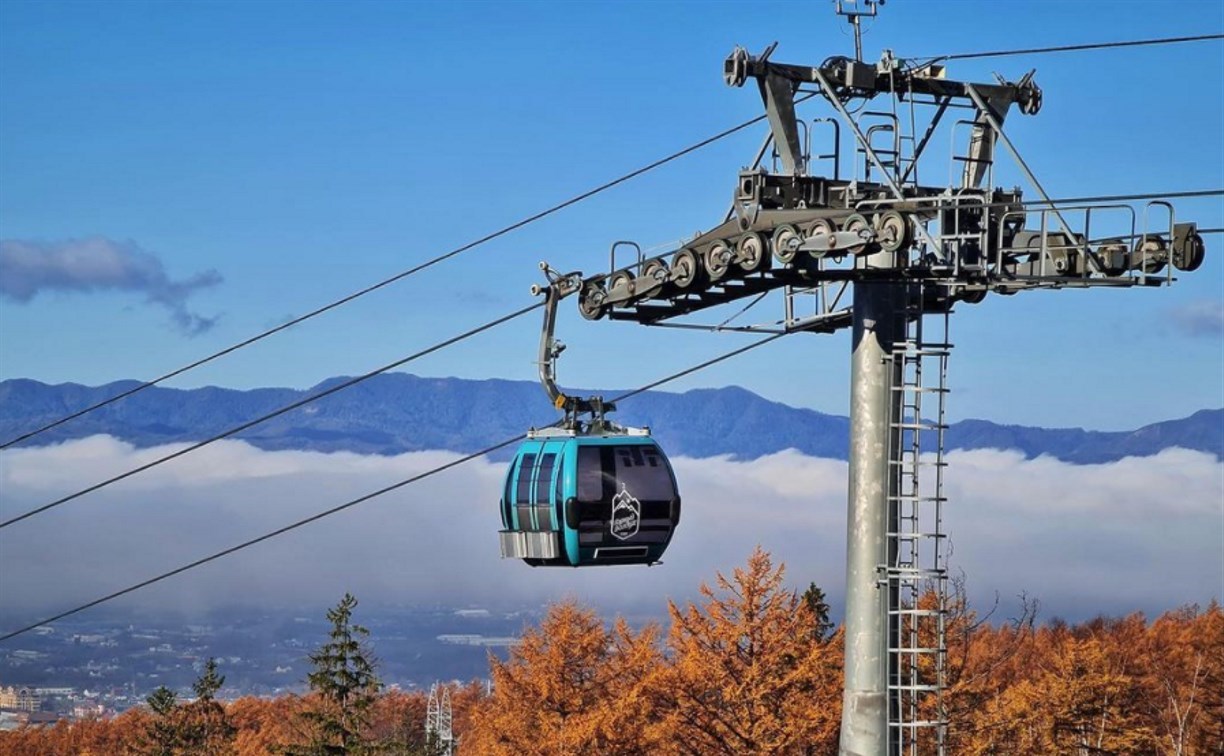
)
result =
(916, 571)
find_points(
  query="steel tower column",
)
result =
(870, 517)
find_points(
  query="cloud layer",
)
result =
(1138, 534)
(94, 264)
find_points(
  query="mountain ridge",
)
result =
(400, 412)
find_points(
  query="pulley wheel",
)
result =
(1149, 255)
(718, 260)
(752, 253)
(820, 228)
(856, 224)
(655, 278)
(1189, 255)
(685, 268)
(621, 283)
(655, 270)
(1030, 100)
(972, 296)
(786, 241)
(591, 302)
(893, 231)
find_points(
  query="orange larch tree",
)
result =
(982, 661)
(562, 691)
(1081, 698)
(746, 674)
(265, 725)
(1183, 654)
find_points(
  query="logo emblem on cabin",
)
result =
(626, 514)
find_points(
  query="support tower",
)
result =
(911, 251)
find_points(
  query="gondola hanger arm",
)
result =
(560, 286)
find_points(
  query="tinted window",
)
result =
(590, 474)
(640, 468)
(507, 502)
(643, 472)
(544, 477)
(524, 479)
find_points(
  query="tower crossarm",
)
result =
(891, 75)
(791, 229)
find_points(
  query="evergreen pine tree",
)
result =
(204, 726)
(209, 682)
(161, 736)
(814, 598)
(344, 683)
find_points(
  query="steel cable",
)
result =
(549, 211)
(1070, 48)
(387, 281)
(275, 413)
(436, 347)
(364, 498)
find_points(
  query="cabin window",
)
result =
(639, 468)
(507, 501)
(590, 474)
(524, 479)
(544, 477)
(643, 472)
(507, 495)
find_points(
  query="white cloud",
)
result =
(30, 267)
(1202, 318)
(1142, 533)
(1134, 534)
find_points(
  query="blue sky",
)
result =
(259, 159)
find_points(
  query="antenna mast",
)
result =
(853, 12)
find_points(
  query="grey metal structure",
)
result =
(560, 286)
(911, 251)
(438, 729)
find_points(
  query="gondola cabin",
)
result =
(574, 500)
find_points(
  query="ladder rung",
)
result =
(913, 612)
(916, 536)
(915, 650)
(919, 688)
(919, 426)
(910, 582)
(904, 581)
(902, 572)
(912, 497)
(910, 343)
(910, 576)
(920, 723)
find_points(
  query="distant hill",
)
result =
(397, 412)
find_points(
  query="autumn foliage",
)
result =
(1109, 686)
(751, 668)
